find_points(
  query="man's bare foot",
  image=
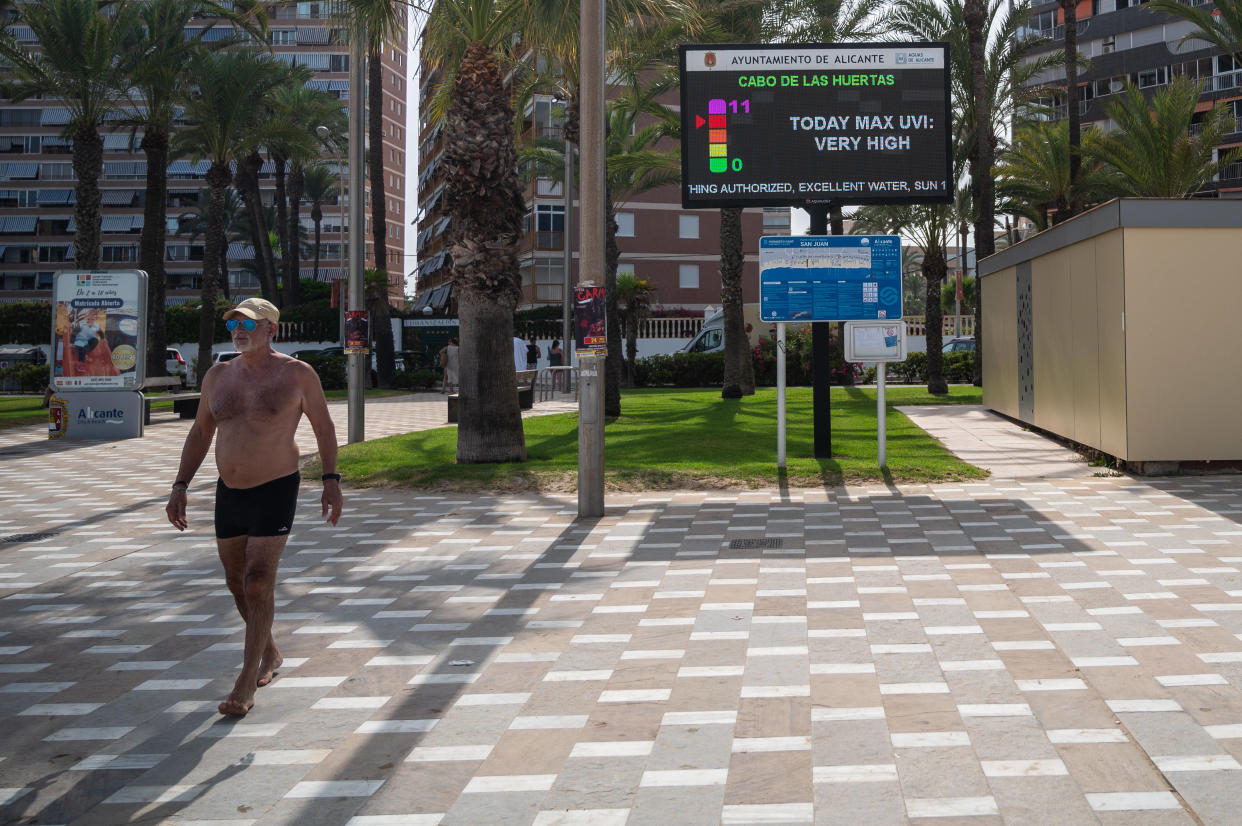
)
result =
(233, 707)
(267, 668)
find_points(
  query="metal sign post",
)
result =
(780, 396)
(881, 342)
(590, 433)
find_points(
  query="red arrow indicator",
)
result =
(698, 121)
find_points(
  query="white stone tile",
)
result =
(288, 757)
(102, 733)
(1024, 768)
(744, 814)
(1140, 706)
(348, 703)
(711, 671)
(1066, 684)
(155, 794)
(1087, 735)
(929, 739)
(951, 807)
(581, 817)
(1197, 763)
(684, 777)
(914, 688)
(775, 691)
(334, 788)
(1132, 801)
(619, 748)
(972, 665)
(185, 685)
(1177, 680)
(490, 784)
(636, 695)
(399, 660)
(750, 745)
(577, 676)
(549, 721)
(994, 710)
(1103, 662)
(1229, 731)
(835, 715)
(59, 709)
(395, 726)
(699, 718)
(842, 668)
(444, 754)
(394, 820)
(868, 773)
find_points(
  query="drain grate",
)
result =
(753, 544)
(26, 537)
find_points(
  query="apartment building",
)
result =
(1126, 42)
(37, 180)
(676, 250)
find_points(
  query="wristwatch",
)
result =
(180, 484)
(328, 476)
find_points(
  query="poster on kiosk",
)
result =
(99, 343)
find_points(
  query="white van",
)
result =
(710, 338)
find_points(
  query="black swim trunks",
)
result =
(264, 510)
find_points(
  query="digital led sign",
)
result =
(792, 125)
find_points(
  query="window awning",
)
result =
(18, 223)
(117, 197)
(56, 196)
(27, 170)
(313, 36)
(56, 116)
(121, 223)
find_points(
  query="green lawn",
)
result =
(669, 438)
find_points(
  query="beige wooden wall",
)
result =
(1183, 295)
(1000, 342)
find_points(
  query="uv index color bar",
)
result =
(717, 144)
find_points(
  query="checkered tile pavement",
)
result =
(1012, 652)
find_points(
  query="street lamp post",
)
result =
(359, 363)
(325, 135)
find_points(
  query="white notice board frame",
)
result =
(879, 341)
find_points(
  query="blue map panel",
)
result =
(830, 278)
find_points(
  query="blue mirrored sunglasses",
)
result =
(247, 324)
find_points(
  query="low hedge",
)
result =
(24, 378)
(416, 379)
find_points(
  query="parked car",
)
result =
(174, 364)
(962, 344)
(326, 352)
(228, 355)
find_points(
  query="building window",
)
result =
(338, 63)
(687, 226)
(283, 37)
(625, 224)
(625, 269)
(688, 276)
(1153, 77)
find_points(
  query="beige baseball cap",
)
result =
(257, 308)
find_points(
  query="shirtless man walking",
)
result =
(256, 402)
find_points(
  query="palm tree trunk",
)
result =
(87, 166)
(736, 345)
(282, 223)
(982, 184)
(217, 179)
(631, 346)
(248, 187)
(381, 315)
(1070, 9)
(151, 247)
(934, 268)
(488, 383)
(293, 236)
(612, 365)
(317, 218)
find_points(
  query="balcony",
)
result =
(542, 240)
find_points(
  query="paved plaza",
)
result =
(1038, 648)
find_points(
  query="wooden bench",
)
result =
(525, 393)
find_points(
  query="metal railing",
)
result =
(553, 380)
(963, 325)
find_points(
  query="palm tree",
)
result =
(157, 66)
(321, 184)
(224, 111)
(634, 297)
(930, 227)
(466, 40)
(1032, 173)
(193, 224)
(1151, 153)
(76, 62)
(291, 140)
